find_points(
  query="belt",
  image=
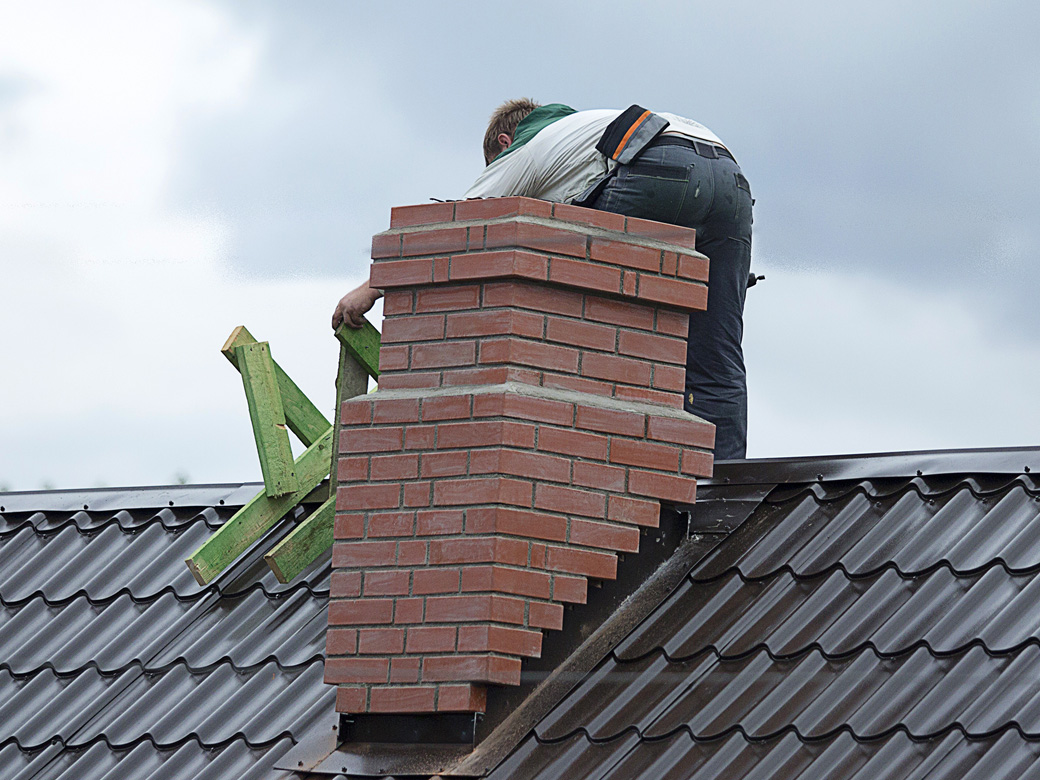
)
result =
(703, 148)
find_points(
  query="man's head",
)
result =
(503, 124)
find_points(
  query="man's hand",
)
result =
(350, 310)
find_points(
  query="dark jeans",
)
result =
(677, 185)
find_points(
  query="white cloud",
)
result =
(843, 363)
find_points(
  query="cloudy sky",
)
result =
(172, 169)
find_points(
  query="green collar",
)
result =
(535, 121)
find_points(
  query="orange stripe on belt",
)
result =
(628, 135)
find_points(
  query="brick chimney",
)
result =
(528, 422)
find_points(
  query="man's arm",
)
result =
(513, 174)
(352, 307)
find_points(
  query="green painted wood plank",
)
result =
(363, 345)
(302, 416)
(252, 520)
(307, 541)
(267, 417)
(314, 535)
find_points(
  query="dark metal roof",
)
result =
(115, 663)
(860, 623)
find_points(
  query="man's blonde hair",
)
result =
(504, 120)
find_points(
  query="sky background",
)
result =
(172, 169)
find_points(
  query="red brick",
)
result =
(573, 590)
(691, 432)
(447, 298)
(605, 535)
(581, 334)
(395, 467)
(459, 377)
(351, 700)
(386, 583)
(394, 357)
(645, 454)
(669, 263)
(345, 584)
(395, 410)
(662, 486)
(671, 378)
(440, 241)
(527, 235)
(417, 494)
(386, 245)
(578, 383)
(364, 496)
(415, 380)
(404, 670)
(478, 550)
(440, 269)
(444, 354)
(542, 615)
(673, 292)
(419, 437)
(539, 555)
(494, 208)
(529, 353)
(417, 328)
(496, 322)
(516, 522)
(472, 668)
(623, 253)
(673, 323)
(383, 641)
(475, 237)
(397, 302)
(485, 490)
(524, 407)
(352, 469)
(531, 296)
(493, 265)
(500, 639)
(602, 566)
(450, 407)
(341, 641)
(461, 698)
(356, 411)
(646, 395)
(370, 439)
(421, 214)
(571, 501)
(533, 465)
(403, 699)
(360, 612)
(625, 313)
(634, 510)
(629, 283)
(363, 554)
(595, 475)
(408, 611)
(445, 464)
(433, 522)
(611, 421)
(348, 526)
(651, 347)
(426, 581)
(473, 609)
(411, 553)
(401, 273)
(430, 639)
(600, 219)
(519, 582)
(698, 463)
(471, 433)
(576, 443)
(584, 275)
(659, 231)
(691, 267)
(615, 369)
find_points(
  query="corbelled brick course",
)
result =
(528, 424)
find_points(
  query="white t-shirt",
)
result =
(561, 161)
